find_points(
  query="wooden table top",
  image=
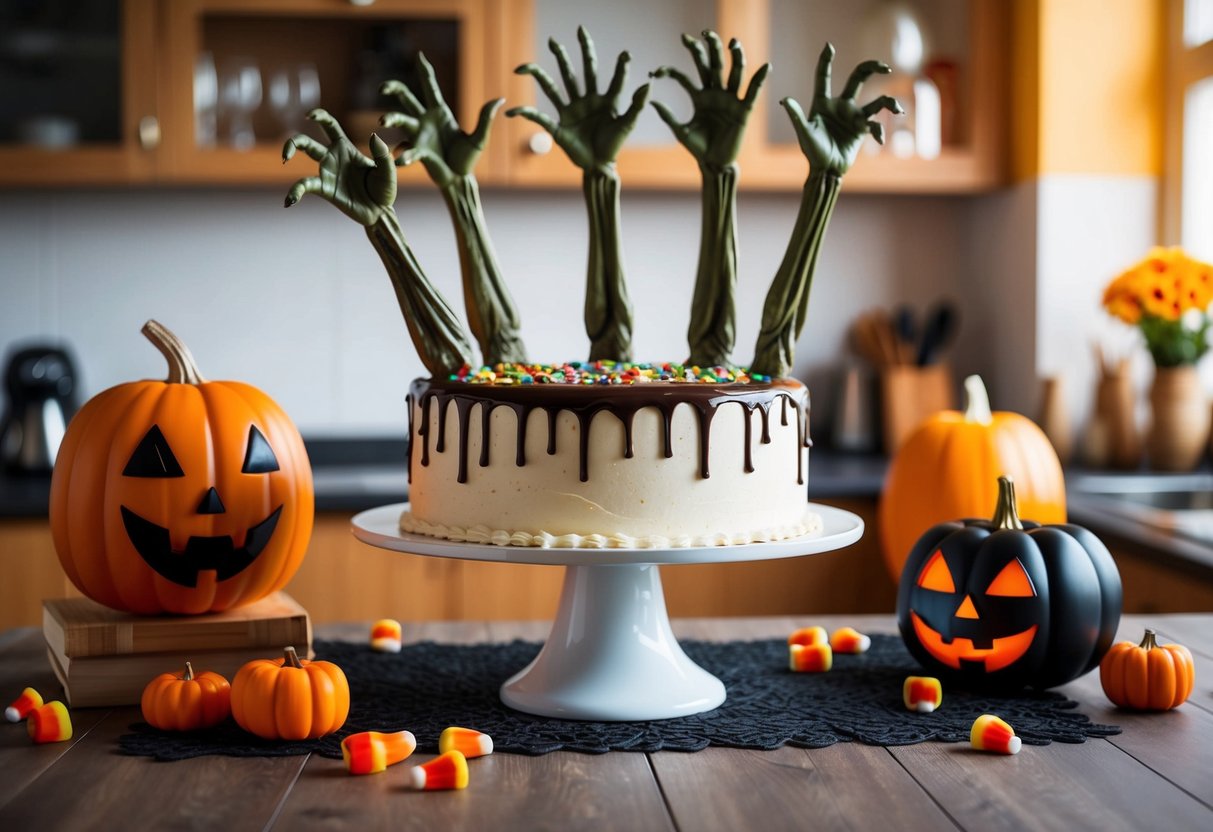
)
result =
(1157, 774)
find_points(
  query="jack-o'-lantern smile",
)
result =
(218, 554)
(994, 653)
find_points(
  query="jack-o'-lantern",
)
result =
(1006, 603)
(183, 496)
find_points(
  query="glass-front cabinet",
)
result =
(77, 92)
(205, 91)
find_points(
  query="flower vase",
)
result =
(1180, 418)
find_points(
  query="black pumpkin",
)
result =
(1008, 603)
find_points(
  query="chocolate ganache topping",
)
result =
(586, 401)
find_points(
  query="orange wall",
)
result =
(1087, 89)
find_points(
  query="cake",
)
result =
(653, 464)
(604, 453)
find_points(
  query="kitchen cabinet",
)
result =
(177, 109)
(78, 93)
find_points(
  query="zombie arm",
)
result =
(713, 136)
(830, 138)
(449, 155)
(591, 131)
(364, 189)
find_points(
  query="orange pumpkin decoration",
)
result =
(185, 702)
(949, 468)
(290, 698)
(183, 496)
(1147, 676)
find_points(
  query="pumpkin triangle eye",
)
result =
(935, 575)
(1012, 582)
(153, 458)
(259, 458)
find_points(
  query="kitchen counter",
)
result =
(1157, 774)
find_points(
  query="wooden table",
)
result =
(1158, 774)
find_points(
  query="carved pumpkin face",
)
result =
(1005, 603)
(183, 496)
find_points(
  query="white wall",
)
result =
(296, 302)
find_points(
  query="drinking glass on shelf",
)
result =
(293, 92)
(240, 96)
(206, 100)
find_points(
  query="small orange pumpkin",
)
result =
(290, 698)
(949, 468)
(1147, 676)
(185, 702)
(185, 496)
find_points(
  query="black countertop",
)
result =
(355, 474)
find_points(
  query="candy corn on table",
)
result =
(1157, 774)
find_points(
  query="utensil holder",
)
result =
(909, 394)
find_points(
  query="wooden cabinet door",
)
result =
(352, 50)
(79, 104)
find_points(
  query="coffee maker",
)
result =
(40, 386)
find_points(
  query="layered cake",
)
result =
(635, 463)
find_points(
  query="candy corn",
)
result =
(447, 771)
(810, 658)
(809, 635)
(49, 723)
(469, 742)
(22, 705)
(989, 733)
(385, 636)
(922, 693)
(372, 752)
(849, 640)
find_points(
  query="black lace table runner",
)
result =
(428, 687)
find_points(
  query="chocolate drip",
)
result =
(443, 404)
(408, 406)
(747, 413)
(486, 418)
(463, 407)
(667, 424)
(520, 413)
(624, 403)
(552, 413)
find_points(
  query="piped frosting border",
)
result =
(809, 525)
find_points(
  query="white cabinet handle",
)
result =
(149, 132)
(362, 2)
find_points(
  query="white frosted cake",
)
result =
(652, 464)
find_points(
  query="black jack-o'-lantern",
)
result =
(1006, 603)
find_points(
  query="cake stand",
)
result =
(611, 654)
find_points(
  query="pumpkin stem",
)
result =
(188, 676)
(182, 369)
(1006, 513)
(977, 401)
(292, 658)
(1150, 640)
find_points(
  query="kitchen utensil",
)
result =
(854, 411)
(40, 383)
(937, 332)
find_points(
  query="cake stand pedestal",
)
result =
(611, 654)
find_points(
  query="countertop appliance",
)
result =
(40, 386)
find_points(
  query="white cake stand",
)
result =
(611, 654)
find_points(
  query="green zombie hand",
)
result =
(835, 128)
(437, 142)
(589, 127)
(714, 133)
(361, 188)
